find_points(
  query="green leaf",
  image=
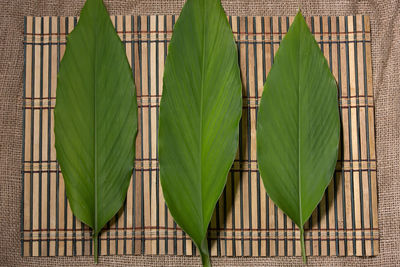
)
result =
(298, 126)
(95, 119)
(199, 116)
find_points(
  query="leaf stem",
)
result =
(205, 256)
(95, 246)
(303, 249)
(205, 260)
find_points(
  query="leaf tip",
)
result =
(299, 14)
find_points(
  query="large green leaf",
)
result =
(199, 116)
(298, 126)
(95, 119)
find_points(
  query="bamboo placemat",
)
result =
(246, 222)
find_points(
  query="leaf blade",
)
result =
(95, 118)
(199, 114)
(298, 125)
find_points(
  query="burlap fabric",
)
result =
(385, 28)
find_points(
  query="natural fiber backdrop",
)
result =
(385, 28)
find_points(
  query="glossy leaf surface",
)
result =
(298, 125)
(95, 119)
(199, 116)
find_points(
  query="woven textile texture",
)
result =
(385, 32)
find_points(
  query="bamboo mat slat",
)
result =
(246, 222)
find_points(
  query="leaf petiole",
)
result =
(303, 249)
(205, 256)
(95, 246)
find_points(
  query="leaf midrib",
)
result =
(299, 137)
(95, 133)
(201, 111)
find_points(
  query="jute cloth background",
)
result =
(385, 28)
